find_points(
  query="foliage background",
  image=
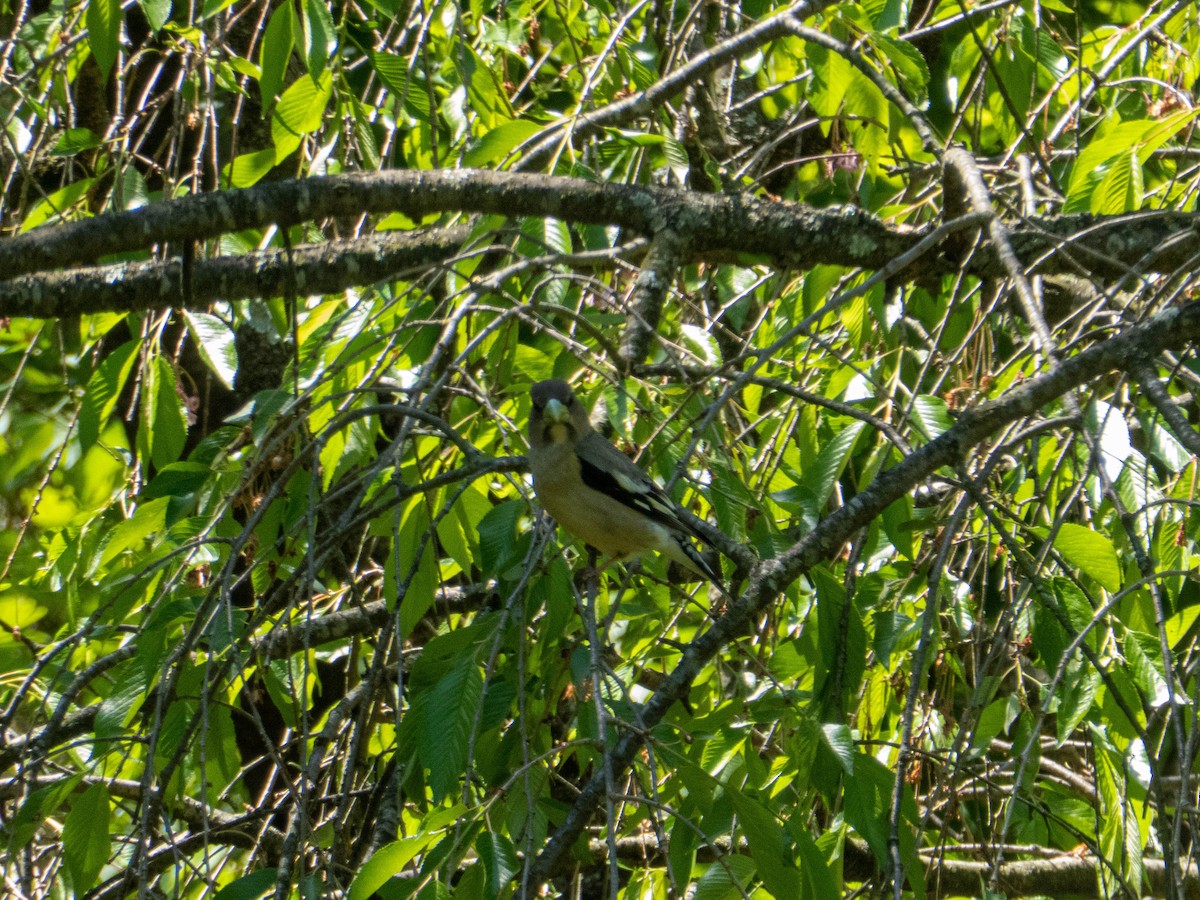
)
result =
(893, 296)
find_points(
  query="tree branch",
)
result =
(1170, 329)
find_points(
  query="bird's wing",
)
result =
(606, 469)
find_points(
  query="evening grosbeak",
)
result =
(596, 492)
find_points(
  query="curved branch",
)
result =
(310, 269)
(790, 234)
(1170, 329)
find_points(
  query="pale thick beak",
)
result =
(556, 412)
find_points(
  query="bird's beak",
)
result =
(556, 412)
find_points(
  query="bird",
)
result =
(597, 493)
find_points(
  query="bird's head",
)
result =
(557, 415)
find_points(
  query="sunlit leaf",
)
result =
(104, 31)
(85, 837)
(1092, 552)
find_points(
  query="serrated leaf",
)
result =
(278, 41)
(1178, 625)
(1121, 840)
(40, 803)
(499, 860)
(449, 713)
(216, 343)
(147, 521)
(320, 36)
(103, 390)
(75, 140)
(1107, 423)
(932, 416)
(1164, 445)
(1091, 552)
(104, 31)
(677, 158)
(498, 536)
(85, 837)
(420, 573)
(158, 12)
(838, 739)
(248, 169)
(730, 877)
(1076, 695)
(909, 65)
(701, 342)
(299, 111)
(163, 422)
(1125, 144)
(1122, 187)
(831, 75)
(499, 142)
(821, 477)
(388, 861)
(251, 886)
(768, 846)
(1145, 672)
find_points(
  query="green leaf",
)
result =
(681, 849)
(899, 528)
(499, 860)
(1091, 552)
(498, 537)
(768, 846)
(388, 861)
(147, 521)
(320, 36)
(820, 879)
(41, 803)
(868, 804)
(76, 140)
(103, 390)
(418, 574)
(211, 7)
(118, 708)
(994, 721)
(909, 66)
(251, 886)
(725, 879)
(248, 169)
(677, 158)
(1076, 695)
(1049, 637)
(822, 476)
(499, 142)
(216, 343)
(104, 31)
(838, 739)
(1122, 187)
(1124, 147)
(163, 423)
(1164, 445)
(932, 416)
(448, 714)
(278, 41)
(1121, 837)
(486, 98)
(85, 837)
(300, 111)
(1146, 673)
(831, 75)
(157, 12)
(60, 205)
(1178, 625)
